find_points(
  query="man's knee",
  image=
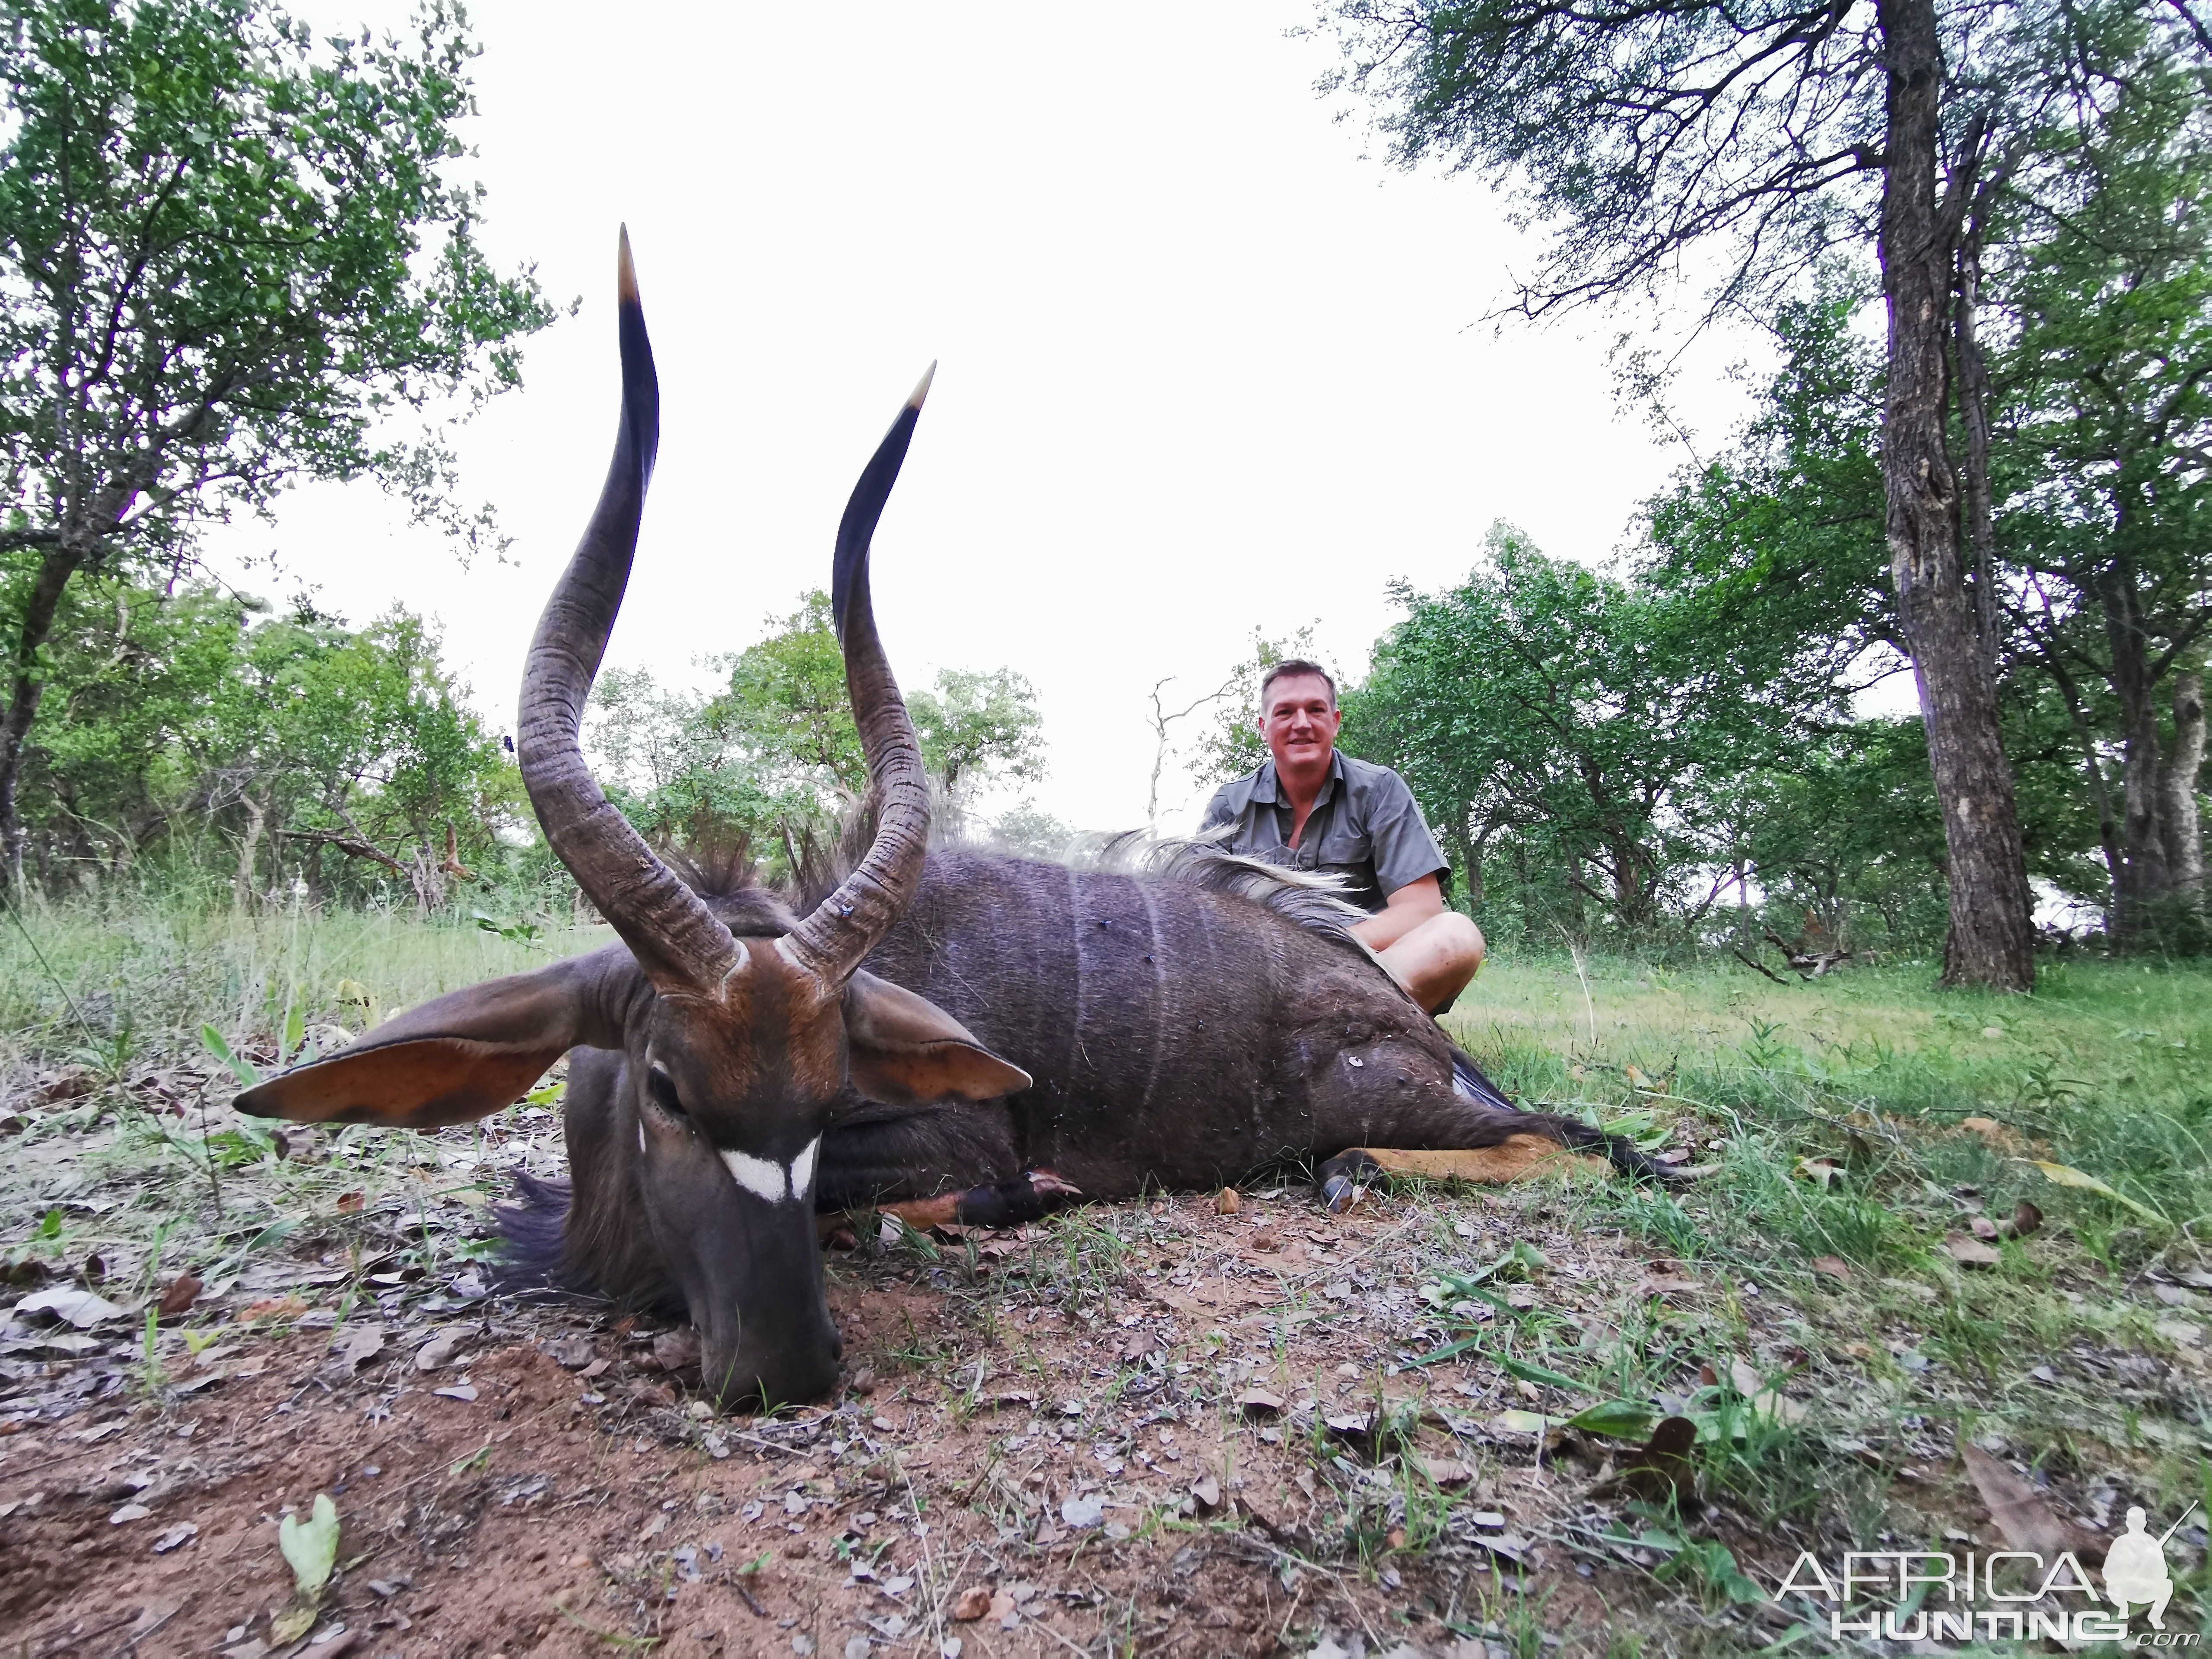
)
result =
(1460, 941)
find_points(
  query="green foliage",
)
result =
(232, 253)
(974, 725)
(2093, 318)
(775, 757)
(230, 258)
(190, 722)
(311, 1547)
(1590, 734)
(1233, 745)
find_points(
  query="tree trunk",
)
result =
(2142, 837)
(242, 889)
(2185, 836)
(27, 685)
(1974, 420)
(1992, 936)
(2101, 795)
(1470, 859)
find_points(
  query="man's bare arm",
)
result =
(1409, 907)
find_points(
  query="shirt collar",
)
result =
(1268, 788)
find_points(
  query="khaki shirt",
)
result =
(1364, 829)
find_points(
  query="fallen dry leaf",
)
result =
(1229, 1202)
(2023, 1514)
(2025, 1220)
(1767, 1401)
(274, 1307)
(361, 1347)
(350, 1202)
(80, 1309)
(1982, 1228)
(1658, 1470)
(1137, 1345)
(1350, 1426)
(182, 1290)
(437, 1351)
(570, 1353)
(1260, 1401)
(1206, 1491)
(1448, 1472)
(1832, 1267)
(970, 1604)
(678, 1348)
(1971, 1252)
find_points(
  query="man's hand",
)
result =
(1409, 907)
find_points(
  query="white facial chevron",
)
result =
(770, 1182)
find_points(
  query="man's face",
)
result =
(1300, 720)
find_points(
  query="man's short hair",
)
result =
(1293, 667)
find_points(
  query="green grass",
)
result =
(1829, 1121)
(2105, 1066)
(103, 985)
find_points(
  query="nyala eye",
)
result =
(662, 1088)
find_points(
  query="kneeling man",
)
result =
(1310, 808)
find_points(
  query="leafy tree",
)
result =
(786, 706)
(1233, 745)
(229, 255)
(775, 757)
(2096, 354)
(170, 713)
(1648, 133)
(2103, 444)
(360, 743)
(1581, 716)
(974, 727)
(1846, 840)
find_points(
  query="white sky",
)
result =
(1204, 367)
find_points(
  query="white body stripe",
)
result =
(802, 1168)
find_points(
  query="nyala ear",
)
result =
(906, 1051)
(450, 1060)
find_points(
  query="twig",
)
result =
(1574, 953)
(1760, 966)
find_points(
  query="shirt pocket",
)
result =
(1341, 844)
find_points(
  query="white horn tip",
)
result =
(922, 389)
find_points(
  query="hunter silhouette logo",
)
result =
(2134, 1569)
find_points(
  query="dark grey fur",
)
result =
(1188, 1017)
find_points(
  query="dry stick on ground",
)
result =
(1761, 967)
(1575, 951)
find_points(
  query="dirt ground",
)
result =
(1208, 1447)
(1192, 1426)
